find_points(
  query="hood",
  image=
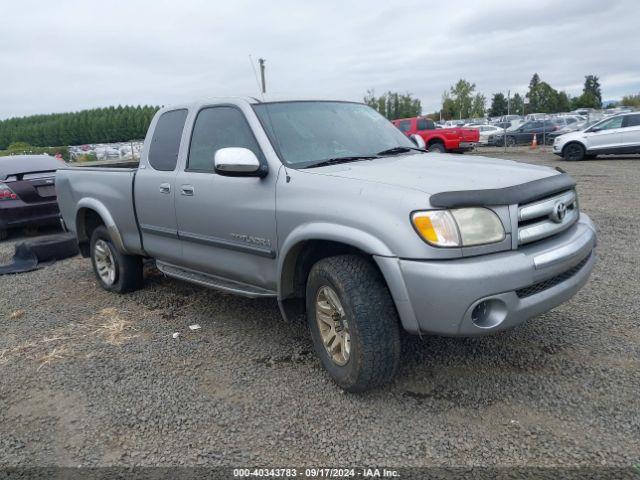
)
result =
(438, 172)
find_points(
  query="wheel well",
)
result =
(573, 142)
(86, 222)
(435, 140)
(296, 267)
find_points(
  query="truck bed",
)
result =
(106, 189)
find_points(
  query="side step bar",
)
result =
(212, 281)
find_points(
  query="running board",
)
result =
(214, 282)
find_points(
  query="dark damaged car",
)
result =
(27, 192)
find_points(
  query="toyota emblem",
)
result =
(559, 212)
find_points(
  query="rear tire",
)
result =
(574, 152)
(366, 315)
(436, 148)
(115, 271)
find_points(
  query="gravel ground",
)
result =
(95, 379)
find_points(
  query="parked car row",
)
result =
(522, 134)
(107, 151)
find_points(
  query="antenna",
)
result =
(264, 86)
(255, 73)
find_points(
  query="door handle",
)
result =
(186, 190)
(165, 188)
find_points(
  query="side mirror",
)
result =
(238, 162)
(418, 140)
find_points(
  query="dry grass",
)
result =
(114, 329)
(107, 325)
(58, 353)
(7, 353)
(17, 314)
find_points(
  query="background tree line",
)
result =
(543, 98)
(98, 125)
(463, 101)
(394, 105)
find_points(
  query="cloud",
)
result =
(69, 55)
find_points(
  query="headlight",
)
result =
(461, 227)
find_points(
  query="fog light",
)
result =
(480, 312)
(489, 313)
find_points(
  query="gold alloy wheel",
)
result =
(104, 262)
(333, 326)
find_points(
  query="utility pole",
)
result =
(264, 86)
(508, 102)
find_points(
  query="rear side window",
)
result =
(632, 121)
(425, 124)
(165, 143)
(404, 125)
(216, 128)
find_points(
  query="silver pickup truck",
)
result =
(330, 209)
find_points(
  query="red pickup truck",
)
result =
(456, 140)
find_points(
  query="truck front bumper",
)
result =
(485, 294)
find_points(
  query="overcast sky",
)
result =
(69, 55)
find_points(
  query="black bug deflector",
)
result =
(516, 194)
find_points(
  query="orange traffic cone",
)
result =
(534, 144)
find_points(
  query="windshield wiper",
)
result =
(396, 150)
(337, 160)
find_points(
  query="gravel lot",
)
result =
(94, 379)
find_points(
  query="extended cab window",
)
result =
(404, 125)
(216, 128)
(165, 143)
(425, 124)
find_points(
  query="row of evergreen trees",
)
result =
(98, 125)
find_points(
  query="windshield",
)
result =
(305, 133)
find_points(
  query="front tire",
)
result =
(437, 148)
(353, 322)
(115, 271)
(574, 152)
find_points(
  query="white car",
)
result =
(619, 134)
(486, 131)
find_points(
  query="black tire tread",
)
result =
(564, 152)
(375, 314)
(130, 270)
(54, 247)
(437, 147)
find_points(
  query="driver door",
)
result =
(226, 224)
(605, 135)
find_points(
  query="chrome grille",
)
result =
(547, 217)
